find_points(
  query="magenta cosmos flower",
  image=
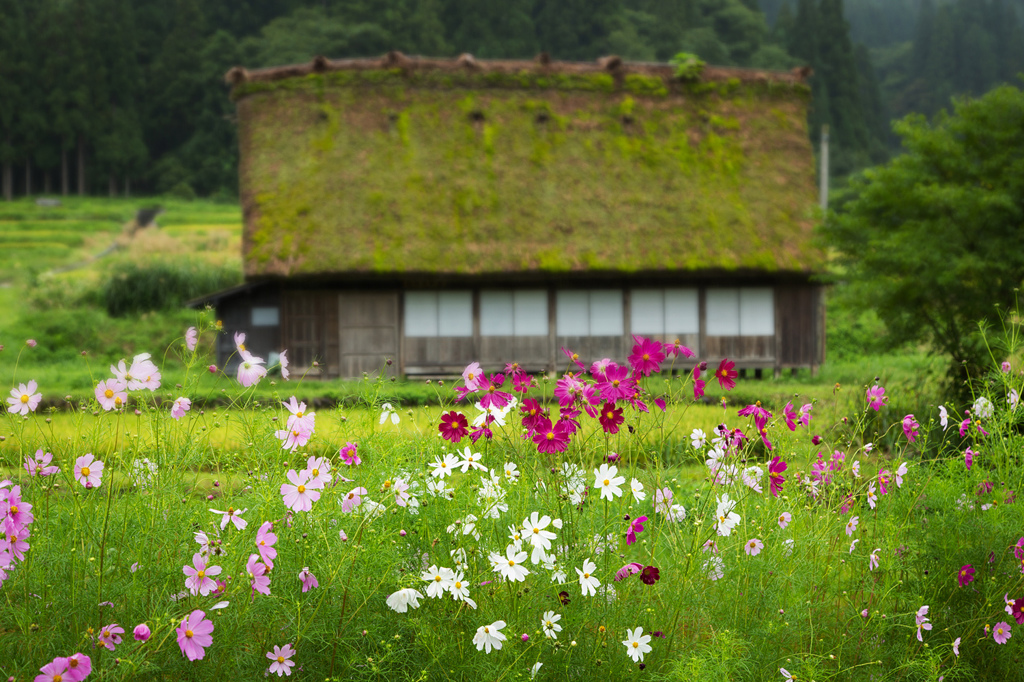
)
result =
(551, 439)
(199, 580)
(258, 574)
(649, 575)
(675, 349)
(1001, 632)
(24, 399)
(297, 496)
(636, 526)
(969, 458)
(54, 671)
(611, 418)
(775, 470)
(629, 569)
(966, 575)
(647, 356)
(141, 632)
(350, 454)
(194, 635)
(454, 426)
(88, 471)
(111, 394)
(876, 397)
(280, 656)
(726, 374)
(79, 667)
(790, 415)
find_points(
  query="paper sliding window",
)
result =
(666, 312)
(438, 313)
(741, 312)
(513, 313)
(589, 313)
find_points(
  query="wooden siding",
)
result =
(237, 317)
(309, 330)
(368, 332)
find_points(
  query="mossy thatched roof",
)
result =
(402, 165)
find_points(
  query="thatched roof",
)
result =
(402, 165)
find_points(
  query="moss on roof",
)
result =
(478, 170)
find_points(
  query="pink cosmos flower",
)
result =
(775, 476)
(401, 496)
(573, 357)
(240, 344)
(966, 575)
(471, 376)
(876, 397)
(299, 417)
(522, 382)
(141, 633)
(298, 496)
(293, 437)
(910, 427)
(805, 414)
(281, 665)
(956, 646)
(872, 497)
(647, 356)
(635, 526)
(615, 384)
(199, 580)
(969, 458)
(234, 516)
(663, 501)
(110, 635)
(790, 415)
(54, 671)
(283, 360)
(191, 338)
(319, 470)
(349, 454)
(1001, 632)
(194, 635)
(1005, 366)
(79, 667)
(265, 539)
(258, 574)
(250, 370)
(784, 519)
(180, 407)
(353, 499)
(873, 559)
(900, 472)
(851, 526)
(111, 394)
(532, 413)
(24, 399)
(726, 375)
(629, 569)
(40, 464)
(698, 388)
(675, 349)
(88, 471)
(922, 622)
(309, 580)
(492, 397)
(753, 547)
(454, 426)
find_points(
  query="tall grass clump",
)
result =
(163, 286)
(512, 541)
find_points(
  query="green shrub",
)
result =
(163, 287)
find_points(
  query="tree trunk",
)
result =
(28, 177)
(63, 171)
(47, 189)
(127, 187)
(112, 184)
(8, 177)
(81, 166)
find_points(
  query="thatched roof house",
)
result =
(442, 211)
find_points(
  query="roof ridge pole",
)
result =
(823, 174)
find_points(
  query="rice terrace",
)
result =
(620, 340)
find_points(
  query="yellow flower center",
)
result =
(58, 677)
(615, 383)
(280, 659)
(231, 510)
(551, 435)
(302, 488)
(298, 414)
(458, 585)
(487, 630)
(472, 376)
(189, 633)
(106, 633)
(263, 543)
(609, 414)
(437, 578)
(636, 645)
(607, 482)
(316, 472)
(118, 401)
(511, 563)
(586, 575)
(14, 510)
(387, 484)
(647, 356)
(108, 393)
(85, 471)
(241, 346)
(24, 397)
(201, 574)
(575, 356)
(536, 530)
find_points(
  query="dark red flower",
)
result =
(563, 597)
(650, 575)
(726, 375)
(966, 575)
(611, 418)
(453, 426)
(1018, 611)
(647, 356)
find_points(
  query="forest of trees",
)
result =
(123, 96)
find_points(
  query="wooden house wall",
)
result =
(236, 315)
(351, 332)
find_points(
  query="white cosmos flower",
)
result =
(549, 622)
(638, 490)
(471, 460)
(677, 513)
(443, 467)
(401, 601)
(636, 644)
(489, 636)
(534, 526)
(538, 664)
(725, 518)
(982, 408)
(386, 412)
(511, 472)
(588, 583)
(436, 487)
(460, 590)
(606, 480)
(438, 580)
(698, 439)
(513, 566)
